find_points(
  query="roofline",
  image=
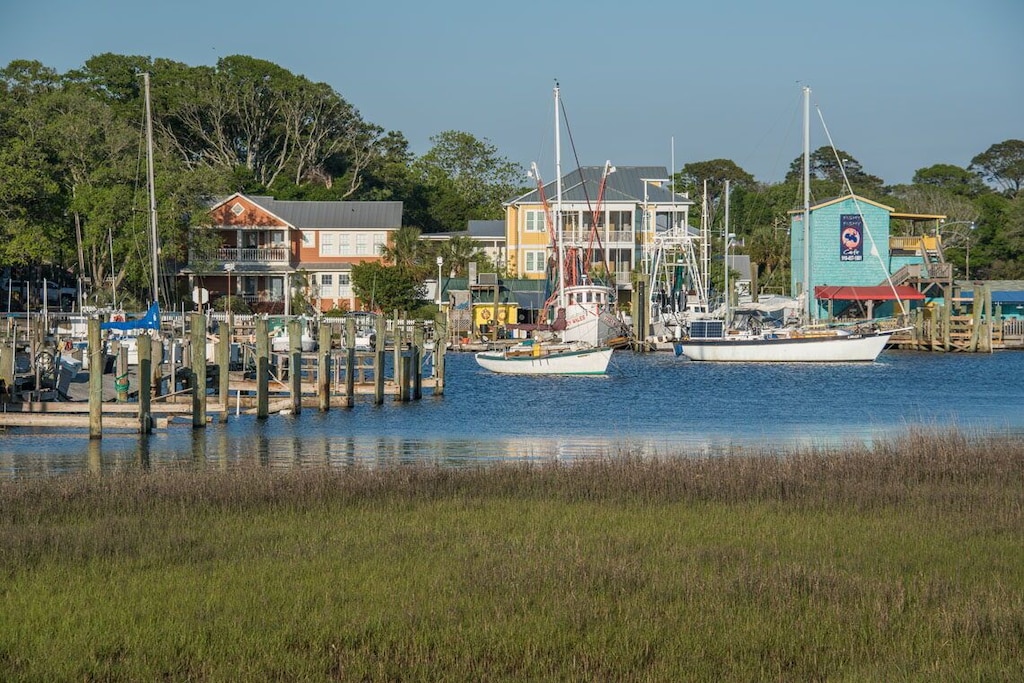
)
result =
(855, 197)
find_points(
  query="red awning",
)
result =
(875, 293)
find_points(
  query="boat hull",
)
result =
(834, 349)
(584, 362)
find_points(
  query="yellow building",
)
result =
(611, 213)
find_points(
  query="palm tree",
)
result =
(406, 251)
(458, 252)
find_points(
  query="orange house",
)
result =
(273, 250)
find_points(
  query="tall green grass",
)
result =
(899, 561)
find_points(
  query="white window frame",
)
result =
(534, 220)
(534, 260)
(327, 244)
(361, 244)
(343, 244)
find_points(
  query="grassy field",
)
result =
(899, 561)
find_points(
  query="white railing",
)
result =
(254, 254)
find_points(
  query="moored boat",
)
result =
(710, 341)
(532, 357)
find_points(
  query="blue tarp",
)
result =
(150, 321)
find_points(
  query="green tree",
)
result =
(950, 178)
(715, 171)
(458, 252)
(829, 165)
(386, 288)
(1002, 164)
(464, 179)
(407, 252)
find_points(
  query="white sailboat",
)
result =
(584, 306)
(713, 340)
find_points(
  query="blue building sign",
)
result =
(851, 237)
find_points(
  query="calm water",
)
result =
(654, 404)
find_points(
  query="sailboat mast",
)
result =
(807, 204)
(560, 246)
(154, 244)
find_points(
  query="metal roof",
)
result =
(629, 184)
(490, 229)
(335, 214)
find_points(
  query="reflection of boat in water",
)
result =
(532, 357)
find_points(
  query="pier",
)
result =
(202, 375)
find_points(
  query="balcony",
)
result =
(276, 255)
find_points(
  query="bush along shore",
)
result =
(902, 560)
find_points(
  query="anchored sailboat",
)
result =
(713, 340)
(581, 304)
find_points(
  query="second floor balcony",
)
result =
(274, 255)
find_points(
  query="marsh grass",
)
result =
(899, 561)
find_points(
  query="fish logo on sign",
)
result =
(851, 231)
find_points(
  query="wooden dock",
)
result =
(331, 377)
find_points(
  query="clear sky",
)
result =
(901, 84)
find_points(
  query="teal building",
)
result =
(849, 256)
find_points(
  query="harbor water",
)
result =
(648, 404)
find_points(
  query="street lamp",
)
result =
(230, 268)
(440, 262)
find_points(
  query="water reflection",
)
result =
(652, 405)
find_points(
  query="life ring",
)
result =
(117, 317)
(501, 315)
(485, 314)
(67, 345)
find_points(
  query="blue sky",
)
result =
(901, 84)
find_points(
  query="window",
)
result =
(343, 248)
(379, 240)
(535, 221)
(326, 284)
(361, 244)
(327, 244)
(307, 238)
(534, 261)
(277, 238)
(344, 285)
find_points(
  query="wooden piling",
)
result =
(295, 364)
(350, 362)
(417, 360)
(145, 348)
(324, 370)
(95, 351)
(440, 346)
(198, 342)
(378, 362)
(121, 376)
(223, 368)
(262, 334)
(157, 375)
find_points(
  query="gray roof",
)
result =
(325, 215)
(626, 184)
(487, 231)
(490, 229)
